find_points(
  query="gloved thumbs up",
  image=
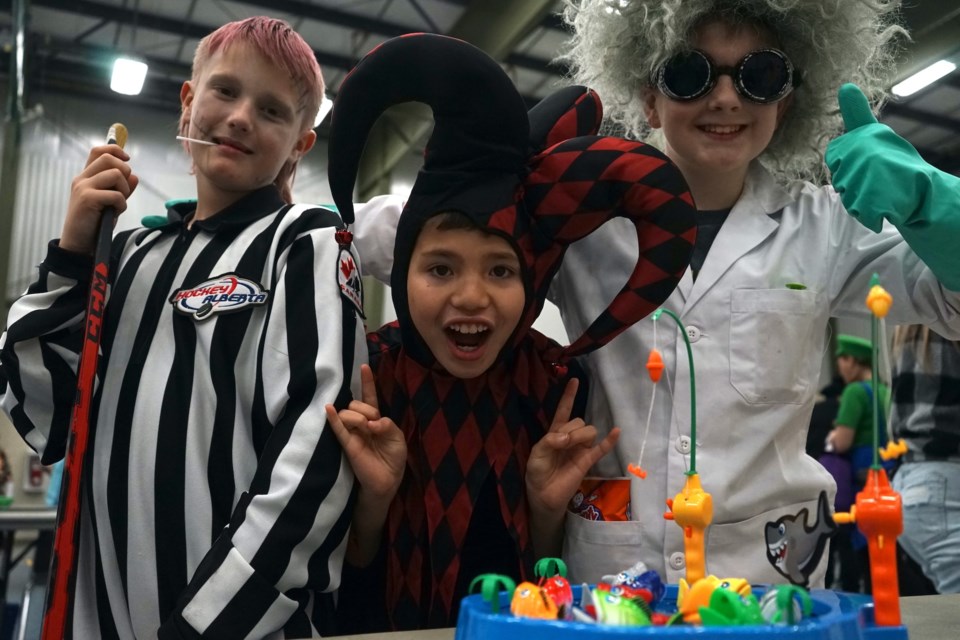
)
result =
(879, 175)
(852, 161)
(854, 107)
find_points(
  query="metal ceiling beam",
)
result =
(297, 8)
(121, 14)
(933, 35)
(392, 29)
(47, 49)
(552, 20)
(926, 117)
(180, 28)
(79, 69)
(934, 32)
(333, 16)
(496, 26)
(163, 24)
(83, 70)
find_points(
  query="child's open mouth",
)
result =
(468, 337)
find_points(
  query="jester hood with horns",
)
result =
(541, 181)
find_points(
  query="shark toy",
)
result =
(794, 548)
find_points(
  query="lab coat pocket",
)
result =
(743, 548)
(772, 356)
(595, 548)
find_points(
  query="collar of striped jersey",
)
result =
(540, 180)
(250, 208)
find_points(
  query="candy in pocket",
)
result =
(602, 499)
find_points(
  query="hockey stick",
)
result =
(63, 570)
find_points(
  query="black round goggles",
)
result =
(763, 76)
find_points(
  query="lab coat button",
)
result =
(693, 333)
(683, 444)
(677, 561)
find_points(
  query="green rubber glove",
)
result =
(880, 175)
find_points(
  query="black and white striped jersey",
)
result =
(215, 498)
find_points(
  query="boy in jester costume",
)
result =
(465, 452)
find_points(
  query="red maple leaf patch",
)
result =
(347, 267)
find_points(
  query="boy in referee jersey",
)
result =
(467, 447)
(215, 502)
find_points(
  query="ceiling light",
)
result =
(128, 76)
(325, 106)
(923, 78)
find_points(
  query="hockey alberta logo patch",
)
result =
(348, 278)
(223, 294)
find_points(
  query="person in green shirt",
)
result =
(852, 436)
(853, 430)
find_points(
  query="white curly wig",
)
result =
(617, 45)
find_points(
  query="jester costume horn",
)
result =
(541, 181)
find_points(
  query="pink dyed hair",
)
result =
(278, 42)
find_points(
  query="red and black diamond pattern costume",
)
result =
(533, 182)
(468, 441)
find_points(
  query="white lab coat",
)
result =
(757, 347)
